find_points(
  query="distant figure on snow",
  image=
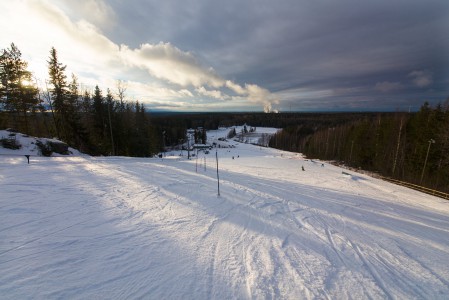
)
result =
(302, 167)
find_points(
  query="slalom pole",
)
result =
(218, 177)
(196, 161)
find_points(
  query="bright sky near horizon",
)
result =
(197, 55)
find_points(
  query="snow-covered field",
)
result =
(80, 227)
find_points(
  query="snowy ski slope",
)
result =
(81, 227)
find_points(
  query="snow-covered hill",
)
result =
(79, 227)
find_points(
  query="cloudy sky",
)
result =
(235, 55)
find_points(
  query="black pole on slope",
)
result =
(196, 161)
(218, 177)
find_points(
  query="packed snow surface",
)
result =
(80, 227)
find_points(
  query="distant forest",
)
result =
(412, 147)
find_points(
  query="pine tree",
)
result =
(77, 135)
(110, 109)
(86, 103)
(59, 93)
(18, 94)
(99, 125)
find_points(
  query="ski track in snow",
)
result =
(80, 227)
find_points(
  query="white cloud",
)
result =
(97, 12)
(421, 78)
(255, 94)
(185, 93)
(154, 92)
(211, 93)
(167, 62)
(80, 40)
(37, 25)
(235, 87)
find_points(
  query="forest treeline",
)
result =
(175, 123)
(412, 147)
(95, 122)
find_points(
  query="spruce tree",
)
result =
(98, 111)
(77, 135)
(18, 94)
(59, 93)
(110, 109)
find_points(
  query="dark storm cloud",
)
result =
(349, 52)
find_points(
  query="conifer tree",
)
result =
(110, 109)
(77, 135)
(98, 114)
(59, 93)
(86, 103)
(18, 94)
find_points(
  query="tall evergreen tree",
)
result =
(59, 93)
(86, 103)
(110, 109)
(99, 115)
(76, 135)
(18, 94)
